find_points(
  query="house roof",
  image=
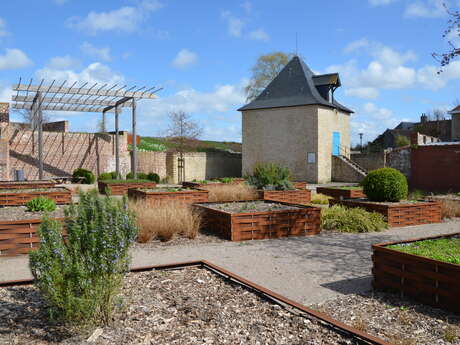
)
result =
(296, 85)
(456, 110)
(406, 125)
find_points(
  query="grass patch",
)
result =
(343, 219)
(164, 220)
(445, 249)
(164, 144)
(126, 181)
(231, 192)
(351, 188)
(320, 199)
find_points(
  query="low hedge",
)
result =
(344, 219)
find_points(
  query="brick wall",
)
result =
(63, 152)
(152, 162)
(436, 167)
(4, 112)
(58, 126)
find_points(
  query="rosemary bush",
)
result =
(270, 176)
(80, 276)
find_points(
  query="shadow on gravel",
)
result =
(24, 310)
(351, 286)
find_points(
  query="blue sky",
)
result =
(201, 52)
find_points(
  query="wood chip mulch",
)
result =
(397, 320)
(21, 213)
(187, 306)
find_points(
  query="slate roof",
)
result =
(296, 85)
(456, 110)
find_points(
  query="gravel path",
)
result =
(309, 270)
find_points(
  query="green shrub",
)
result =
(385, 184)
(270, 176)
(88, 176)
(41, 204)
(345, 219)
(80, 276)
(401, 141)
(140, 176)
(105, 176)
(226, 179)
(153, 177)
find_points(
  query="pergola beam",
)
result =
(68, 100)
(78, 108)
(86, 91)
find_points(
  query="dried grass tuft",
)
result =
(320, 199)
(232, 192)
(449, 208)
(164, 220)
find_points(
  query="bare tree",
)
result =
(182, 129)
(28, 116)
(453, 30)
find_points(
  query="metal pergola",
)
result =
(83, 97)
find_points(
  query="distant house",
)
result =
(441, 129)
(297, 122)
(455, 123)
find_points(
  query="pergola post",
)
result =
(117, 142)
(37, 119)
(134, 143)
(103, 128)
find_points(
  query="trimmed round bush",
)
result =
(88, 176)
(153, 177)
(385, 184)
(105, 176)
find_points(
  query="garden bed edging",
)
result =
(122, 188)
(338, 193)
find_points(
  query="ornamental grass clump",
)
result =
(80, 276)
(270, 176)
(343, 219)
(385, 184)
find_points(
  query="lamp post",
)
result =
(361, 142)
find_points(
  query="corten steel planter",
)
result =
(187, 196)
(398, 214)
(299, 184)
(188, 184)
(339, 193)
(61, 196)
(297, 196)
(122, 188)
(26, 184)
(19, 236)
(303, 221)
(430, 281)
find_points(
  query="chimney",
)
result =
(4, 112)
(423, 118)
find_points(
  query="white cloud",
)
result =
(60, 2)
(185, 58)
(429, 77)
(363, 92)
(3, 31)
(234, 25)
(247, 6)
(63, 62)
(357, 45)
(102, 53)
(14, 59)
(380, 2)
(427, 9)
(381, 52)
(93, 73)
(124, 19)
(259, 35)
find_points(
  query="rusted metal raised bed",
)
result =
(357, 336)
(296, 196)
(26, 184)
(122, 188)
(188, 196)
(430, 281)
(299, 184)
(398, 213)
(60, 195)
(256, 225)
(19, 236)
(339, 193)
